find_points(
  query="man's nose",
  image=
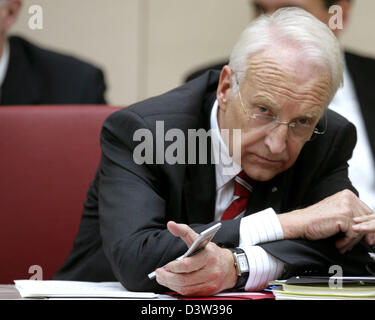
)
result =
(276, 139)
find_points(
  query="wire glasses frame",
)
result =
(276, 120)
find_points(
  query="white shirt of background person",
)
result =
(361, 165)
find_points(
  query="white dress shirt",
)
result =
(361, 165)
(259, 227)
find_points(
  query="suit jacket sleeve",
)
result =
(305, 257)
(134, 211)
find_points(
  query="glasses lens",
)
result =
(262, 119)
(302, 131)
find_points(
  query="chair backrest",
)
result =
(48, 157)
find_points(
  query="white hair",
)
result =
(296, 26)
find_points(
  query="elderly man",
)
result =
(30, 75)
(283, 72)
(355, 100)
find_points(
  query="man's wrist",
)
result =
(241, 266)
(231, 276)
(292, 224)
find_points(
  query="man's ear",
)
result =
(224, 89)
(9, 12)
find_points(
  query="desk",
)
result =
(9, 292)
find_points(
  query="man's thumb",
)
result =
(183, 231)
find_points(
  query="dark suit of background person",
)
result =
(142, 198)
(38, 76)
(361, 70)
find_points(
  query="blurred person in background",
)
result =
(355, 100)
(30, 75)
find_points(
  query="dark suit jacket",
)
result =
(123, 230)
(361, 70)
(38, 76)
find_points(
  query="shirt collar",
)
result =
(222, 158)
(4, 61)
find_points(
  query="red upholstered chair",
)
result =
(48, 157)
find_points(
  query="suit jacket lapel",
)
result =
(200, 192)
(269, 194)
(200, 181)
(22, 84)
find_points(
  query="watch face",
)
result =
(242, 263)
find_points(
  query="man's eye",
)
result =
(262, 109)
(304, 122)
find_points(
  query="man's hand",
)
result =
(326, 218)
(206, 273)
(366, 224)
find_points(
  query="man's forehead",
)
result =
(284, 61)
(272, 101)
(273, 80)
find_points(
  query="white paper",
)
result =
(79, 289)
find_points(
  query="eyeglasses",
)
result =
(301, 128)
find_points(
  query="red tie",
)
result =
(242, 189)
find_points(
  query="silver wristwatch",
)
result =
(242, 266)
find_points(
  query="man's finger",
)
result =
(187, 265)
(366, 208)
(348, 242)
(200, 282)
(364, 218)
(370, 239)
(183, 231)
(362, 209)
(173, 279)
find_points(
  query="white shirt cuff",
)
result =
(260, 227)
(263, 268)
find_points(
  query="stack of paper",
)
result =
(77, 289)
(324, 288)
